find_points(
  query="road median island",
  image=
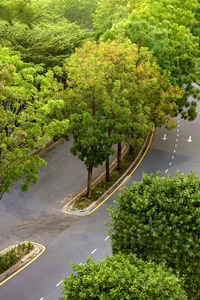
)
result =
(17, 257)
(102, 190)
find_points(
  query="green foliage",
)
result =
(158, 219)
(115, 93)
(23, 11)
(91, 142)
(48, 43)
(122, 277)
(23, 93)
(166, 32)
(78, 11)
(14, 255)
(108, 12)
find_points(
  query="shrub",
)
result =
(14, 255)
(159, 219)
(121, 277)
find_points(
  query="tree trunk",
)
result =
(107, 160)
(1, 183)
(89, 184)
(130, 150)
(107, 169)
(119, 155)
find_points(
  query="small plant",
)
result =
(14, 255)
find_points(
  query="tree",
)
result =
(158, 219)
(164, 32)
(173, 11)
(23, 11)
(91, 142)
(48, 43)
(107, 14)
(22, 118)
(119, 84)
(122, 277)
(78, 11)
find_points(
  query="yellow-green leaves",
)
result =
(23, 94)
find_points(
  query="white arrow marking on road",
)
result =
(164, 137)
(190, 139)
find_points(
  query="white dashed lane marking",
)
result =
(93, 251)
(107, 238)
(59, 283)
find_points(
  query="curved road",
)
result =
(179, 149)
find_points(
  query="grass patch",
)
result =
(83, 202)
(11, 257)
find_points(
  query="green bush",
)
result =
(121, 277)
(159, 219)
(14, 255)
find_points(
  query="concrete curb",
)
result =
(68, 207)
(39, 151)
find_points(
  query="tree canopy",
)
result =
(122, 277)
(166, 33)
(22, 118)
(48, 43)
(117, 86)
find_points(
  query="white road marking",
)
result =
(178, 134)
(178, 129)
(170, 164)
(166, 171)
(42, 298)
(164, 137)
(190, 139)
(176, 146)
(107, 238)
(59, 283)
(172, 156)
(93, 251)
(177, 140)
(174, 150)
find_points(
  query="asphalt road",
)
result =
(87, 235)
(36, 215)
